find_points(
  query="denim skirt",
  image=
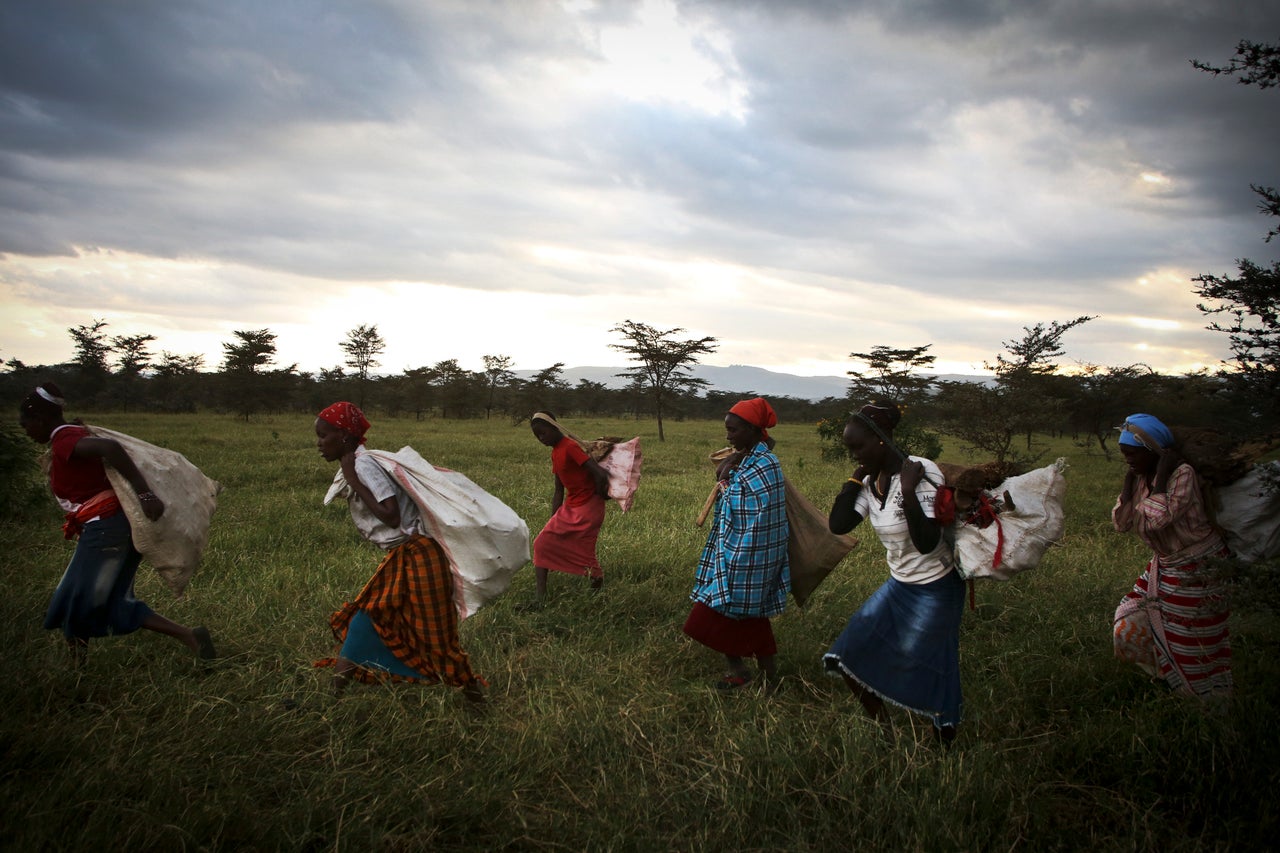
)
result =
(903, 645)
(95, 596)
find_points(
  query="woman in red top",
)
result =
(95, 596)
(568, 542)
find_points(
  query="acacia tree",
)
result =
(1024, 398)
(255, 349)
(1102, 396)
(1251, 300)
(497, 375)
(1256, 63)
(362, 346)
(977, 415)
(893, 373)
(173, 364)
(92, 348)
(247, 388)
(664, 362)
(419, 390)
(1031, 400)
(173, 387)
(329, 385)
(132, 358)
(591, 397)
(456, 386)
(544, 390)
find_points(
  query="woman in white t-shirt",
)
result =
(903, 644)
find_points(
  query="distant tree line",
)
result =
(999, 419)
(123, 373)
(1006, 419)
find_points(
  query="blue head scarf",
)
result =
(1140, 430)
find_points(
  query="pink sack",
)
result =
(622, 464)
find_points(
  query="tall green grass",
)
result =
(602, 730)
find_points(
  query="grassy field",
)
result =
(602, 730)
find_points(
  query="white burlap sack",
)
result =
(1249, 515)
(483, 538)
(1036, 522)
(174, 543)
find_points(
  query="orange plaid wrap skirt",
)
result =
(409, 599)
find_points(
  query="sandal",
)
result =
(733, 682)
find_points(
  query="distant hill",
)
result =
(744, 379)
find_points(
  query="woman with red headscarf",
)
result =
(403, 626)
(743, 575)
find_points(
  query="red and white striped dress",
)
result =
(1174, 621)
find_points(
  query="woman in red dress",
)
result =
(568, 542)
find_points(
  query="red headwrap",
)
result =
(756, 412)
(348, 417)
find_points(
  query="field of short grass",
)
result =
(602, 730)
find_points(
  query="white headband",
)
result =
(547, 419)
(57, 401)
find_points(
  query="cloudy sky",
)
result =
(798, 179)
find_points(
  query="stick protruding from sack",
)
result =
(719, 456)
(706, 507)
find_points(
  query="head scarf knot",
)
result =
(1145, 431)
(348, 417)
(756, 412)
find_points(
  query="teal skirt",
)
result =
(365, 648)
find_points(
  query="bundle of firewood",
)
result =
(1220, 459)
(969, 481)
(598, 448)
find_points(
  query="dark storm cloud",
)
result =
(85, 78)
(988, 151)
(1115, 80)
(214, 128)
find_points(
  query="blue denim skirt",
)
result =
(95, 596)
(903, 645)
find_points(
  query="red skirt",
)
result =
(734, 637)
(568, 542)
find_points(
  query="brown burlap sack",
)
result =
(812, 549)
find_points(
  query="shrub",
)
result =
(19, 472)
(911, 439)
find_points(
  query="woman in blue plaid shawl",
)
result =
(743, 575)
